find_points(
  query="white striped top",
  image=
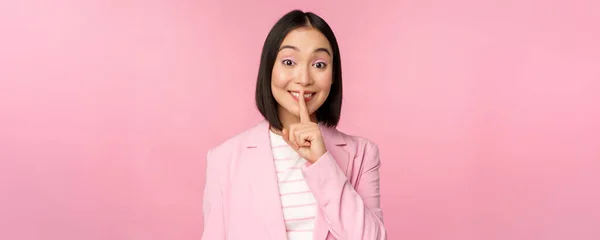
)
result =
(299, 204)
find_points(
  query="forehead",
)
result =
(306, 38)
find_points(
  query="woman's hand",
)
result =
(305, 137)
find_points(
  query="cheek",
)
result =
(324, 81)
(279, 78)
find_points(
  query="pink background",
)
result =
(487, 113)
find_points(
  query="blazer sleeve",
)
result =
(212, 203)
(352, 213)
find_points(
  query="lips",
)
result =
(307, 96)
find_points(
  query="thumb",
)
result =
(284, 133)
(286, 138)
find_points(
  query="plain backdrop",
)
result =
(487, 113)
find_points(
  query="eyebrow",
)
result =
(295, 48)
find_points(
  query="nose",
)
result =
(303, 76)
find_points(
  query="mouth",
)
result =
(307, 95)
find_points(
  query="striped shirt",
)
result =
(298, 203)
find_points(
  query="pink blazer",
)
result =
(241, 197)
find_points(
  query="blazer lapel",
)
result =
(340, 150)
(264, 180)
(338, 147)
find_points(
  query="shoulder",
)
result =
(362, 144)
(365, 151)
(359, 140)
(354, 139)
(220, 157)
(228, 147)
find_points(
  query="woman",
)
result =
(294, 176)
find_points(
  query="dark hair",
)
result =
(329, 113)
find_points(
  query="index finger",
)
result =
(304, 116)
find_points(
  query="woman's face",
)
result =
(303, 63)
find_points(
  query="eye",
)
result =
(287, 62)
(320, 65)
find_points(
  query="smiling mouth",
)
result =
(307, 96)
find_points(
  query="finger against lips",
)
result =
(304, 116)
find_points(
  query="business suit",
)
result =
(241, 198)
